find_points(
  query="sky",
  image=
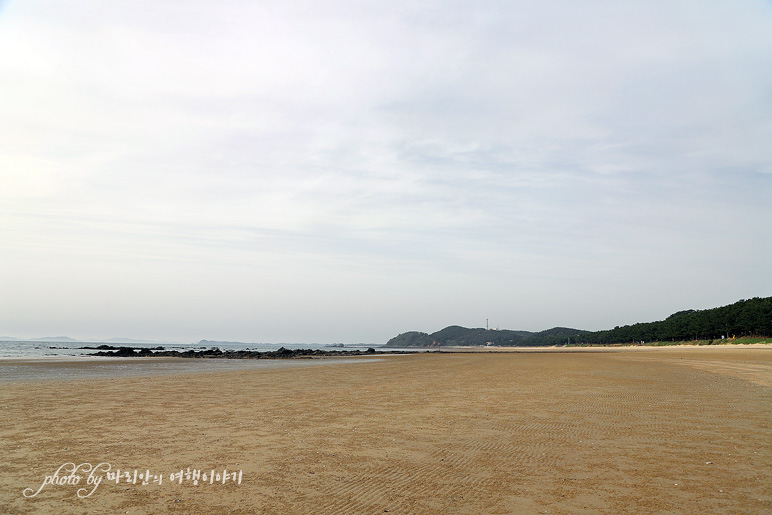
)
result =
(345, 171)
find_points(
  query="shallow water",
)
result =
(53, 369)
(36, 349)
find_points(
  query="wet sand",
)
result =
(659, 430)
(64, 368)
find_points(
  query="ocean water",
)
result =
(22, 361)
(41, 350)
(21, 371)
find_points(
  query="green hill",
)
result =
(742, 319)
(461, 336)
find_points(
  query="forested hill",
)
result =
(743, 318)
(461, 336)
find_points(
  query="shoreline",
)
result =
(91, 367)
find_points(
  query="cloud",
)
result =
(555, 148)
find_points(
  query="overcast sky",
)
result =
(344, 171)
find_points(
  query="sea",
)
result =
(22, 361)
(36, 349)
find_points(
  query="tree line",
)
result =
(751, 317)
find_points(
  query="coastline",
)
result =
(93, 367)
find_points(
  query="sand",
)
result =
(644, 431)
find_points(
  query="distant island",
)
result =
(54, 339)
(749, 320)
(127, 340)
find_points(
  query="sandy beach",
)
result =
(642, 430)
